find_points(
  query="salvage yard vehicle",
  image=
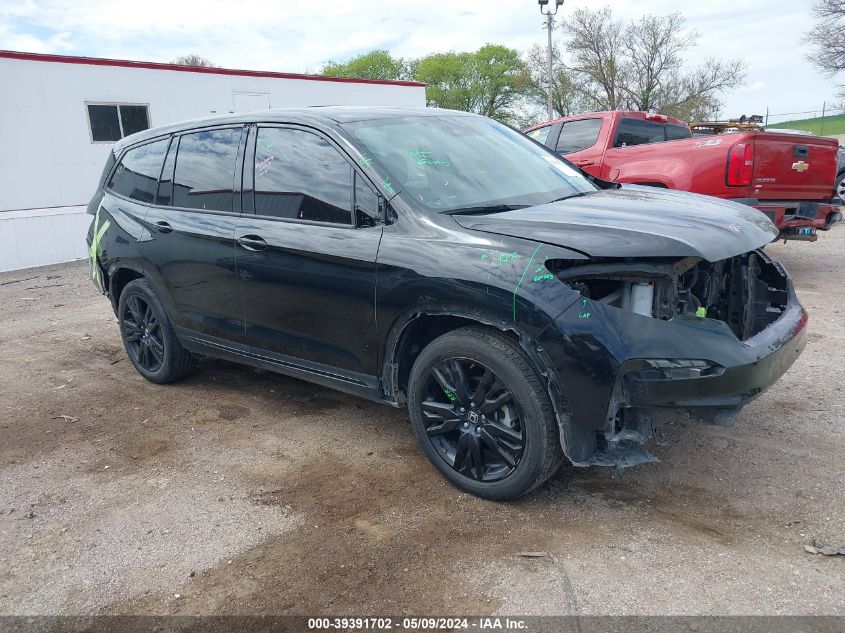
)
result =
(443, 262)
(789, 178)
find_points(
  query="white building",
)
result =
(60, 116)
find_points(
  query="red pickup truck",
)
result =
(790, 178)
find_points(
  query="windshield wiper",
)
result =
(489, 208)
(573, 195)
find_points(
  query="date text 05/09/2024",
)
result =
(416, 624)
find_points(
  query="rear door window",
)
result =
(205, 170)
(641, 132)
(300, 175)
(578, 135)
(136, 176)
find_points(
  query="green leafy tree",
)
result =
(493, 81)
(378, 64)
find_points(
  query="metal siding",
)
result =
(39, 237)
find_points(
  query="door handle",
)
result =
(585, 162)
(163, 227)
(252, 242)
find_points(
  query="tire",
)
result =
(839, 187)
(148, 336)
(500, 447)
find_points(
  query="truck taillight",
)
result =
(740, 164)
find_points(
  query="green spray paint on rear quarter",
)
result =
(94, 249)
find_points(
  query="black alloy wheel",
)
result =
(482, 414)
(148, 336)
(142, 334)
(473, 420)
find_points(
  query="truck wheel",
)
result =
(148, 337)
(840, 186)
(482, 415)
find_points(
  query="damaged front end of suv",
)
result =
(660, 339)
(673, 312)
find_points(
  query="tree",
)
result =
(194, 60)
(595, 44)
(377, 64)
(640, 65)
(828, 36)
(492, 81)
(566, 96)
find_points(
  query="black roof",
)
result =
(326, 115)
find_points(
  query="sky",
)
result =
(302, 35)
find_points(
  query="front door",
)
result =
(190, 256)
(306, 265)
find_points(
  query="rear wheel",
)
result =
(482, 415)
(148, 336)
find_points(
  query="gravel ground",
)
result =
(243, 492)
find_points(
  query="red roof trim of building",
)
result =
(124, 63)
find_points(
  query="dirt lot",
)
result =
(240, 491)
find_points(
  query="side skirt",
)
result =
(360, 385)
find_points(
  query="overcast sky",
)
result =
(300, 35)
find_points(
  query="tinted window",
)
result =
(300, 175)
(639, 132)
(137, 174)
(104, 123)
(366, 203)
(540, 134)
(165, 185)
(205, 170)
(578, 135)
(677, 132)
(133, 118)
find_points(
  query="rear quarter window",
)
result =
(540, 134)
(136, 176)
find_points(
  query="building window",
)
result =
(110, 122)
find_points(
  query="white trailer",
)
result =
(60, 115)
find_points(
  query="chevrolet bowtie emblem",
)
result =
(800, 166)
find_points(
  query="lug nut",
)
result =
(466, 425)
(463, 410)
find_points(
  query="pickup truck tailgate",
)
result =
(793, 167)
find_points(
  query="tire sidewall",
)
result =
(142, 289)
(530, 466)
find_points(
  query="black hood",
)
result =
(636, 221)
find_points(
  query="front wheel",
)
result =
(482, 415)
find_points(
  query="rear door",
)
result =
(793, 167)
(305, 260)
(578, 142)
(190, 254)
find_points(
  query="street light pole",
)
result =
(550, 24)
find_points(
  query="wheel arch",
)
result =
(119, 276)
(412, 331)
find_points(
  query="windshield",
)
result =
(464, 163)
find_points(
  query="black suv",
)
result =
(444, 262)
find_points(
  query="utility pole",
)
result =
(550, 25)
(824, 105)
(767, 116)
